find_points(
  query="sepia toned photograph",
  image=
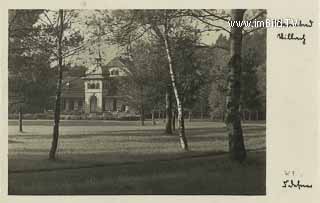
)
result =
(137, 102)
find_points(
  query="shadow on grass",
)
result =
(208, 174)
(173, 157)
(59, 161)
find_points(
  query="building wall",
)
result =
(115, 104)
(93, 92)
(96, 86)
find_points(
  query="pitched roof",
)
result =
(73, 87)
(73, 83)
(119, 62)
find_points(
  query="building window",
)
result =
(90, 86)
(93, 85)
(123, 108)
(115, 72)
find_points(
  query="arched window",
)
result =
(93, 85)
(114, 72)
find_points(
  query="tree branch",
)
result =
(216, 16)
(210, 24)
(258, 15)
(246, 32)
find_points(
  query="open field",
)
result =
(122, 157)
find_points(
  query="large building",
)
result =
(95, 89)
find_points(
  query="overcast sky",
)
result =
(108, 51)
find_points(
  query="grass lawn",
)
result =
(120, 157)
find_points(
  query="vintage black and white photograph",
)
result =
(137, 102)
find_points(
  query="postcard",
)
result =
(138, 101)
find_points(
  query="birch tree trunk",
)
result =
(168, 110)
(164, 37)
(55, 136)
(232, 118)
(182, 136)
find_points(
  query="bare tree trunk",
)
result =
(20, 119)
(173, 120)
(141, 106)
(236, 144)
(55, 136)
(142, 115)
(182, 136)
(168, 110)
(153, 118)
(190, 115)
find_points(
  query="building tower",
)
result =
(93, 82)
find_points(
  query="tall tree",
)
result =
(52, 39)
(233, 120)
(162, 24)
(29, 70)
(253, 73)
(167, 26)
(168, 110)
(219, 21)
(55, 135)
(139, 71)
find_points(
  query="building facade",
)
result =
(96, 89)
